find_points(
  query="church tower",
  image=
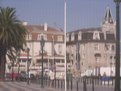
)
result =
(108, 24)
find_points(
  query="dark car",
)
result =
(105, 78)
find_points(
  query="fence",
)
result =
(80, 84)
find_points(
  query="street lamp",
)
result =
(12, 63)
(42, 43)
(18, 62)
(117, 66)
(28, 65)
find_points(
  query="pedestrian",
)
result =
(51, 75)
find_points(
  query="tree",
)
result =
(12, 36)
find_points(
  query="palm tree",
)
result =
(12, 36)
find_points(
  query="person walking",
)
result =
(51, 75)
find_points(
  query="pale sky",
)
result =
(80, 13)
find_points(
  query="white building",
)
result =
(92, 48)
(53, 50)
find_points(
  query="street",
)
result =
(22, 86)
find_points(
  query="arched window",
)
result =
(79, 36)
(96, 36)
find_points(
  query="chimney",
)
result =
(25, 23)
(45, 27)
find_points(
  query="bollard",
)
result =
(67, 84)
(61, 83)
(71, 84)
(49, 82)
(46, 81)
(84, 86)
(58, 83)
(54, 83)
(92, 84)
(77, 85)
(108, 82)
(112, 81)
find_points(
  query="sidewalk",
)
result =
(46, 88)
(23, 86)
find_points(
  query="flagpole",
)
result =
(65, 41)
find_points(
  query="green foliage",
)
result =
(12, 37)
(12, 32)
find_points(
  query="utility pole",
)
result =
(117, 66)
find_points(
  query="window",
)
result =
(79, 36)
(72, 36)
(38, 61)
(107, 47)
(96, 47)
(97, 59)
(39, 37)
(72, 49)
(111, 57)
(60, 49)
(44, 36)
(29, 37)
(96, 36)
(23, 61)
(60, 38)
(67, 37)
(113, 48)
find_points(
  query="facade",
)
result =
(86, 49)
(92, 48)
(53, 50)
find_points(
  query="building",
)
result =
(92, 48)
(53, 50)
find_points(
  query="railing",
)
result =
(78, 84)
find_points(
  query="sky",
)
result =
(80, 13)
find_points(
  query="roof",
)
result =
(40, 28)
(108, 16)
(87, 30)
(35, 30)
(88, 35)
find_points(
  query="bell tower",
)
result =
(108, 24)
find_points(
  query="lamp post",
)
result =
(28, 65)
(42, 43)
(65, 41)
(53, 63)
(18, 59)
(117, 66)
(12, 70)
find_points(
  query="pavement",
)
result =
(23, 86)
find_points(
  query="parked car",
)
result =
(10, 76)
